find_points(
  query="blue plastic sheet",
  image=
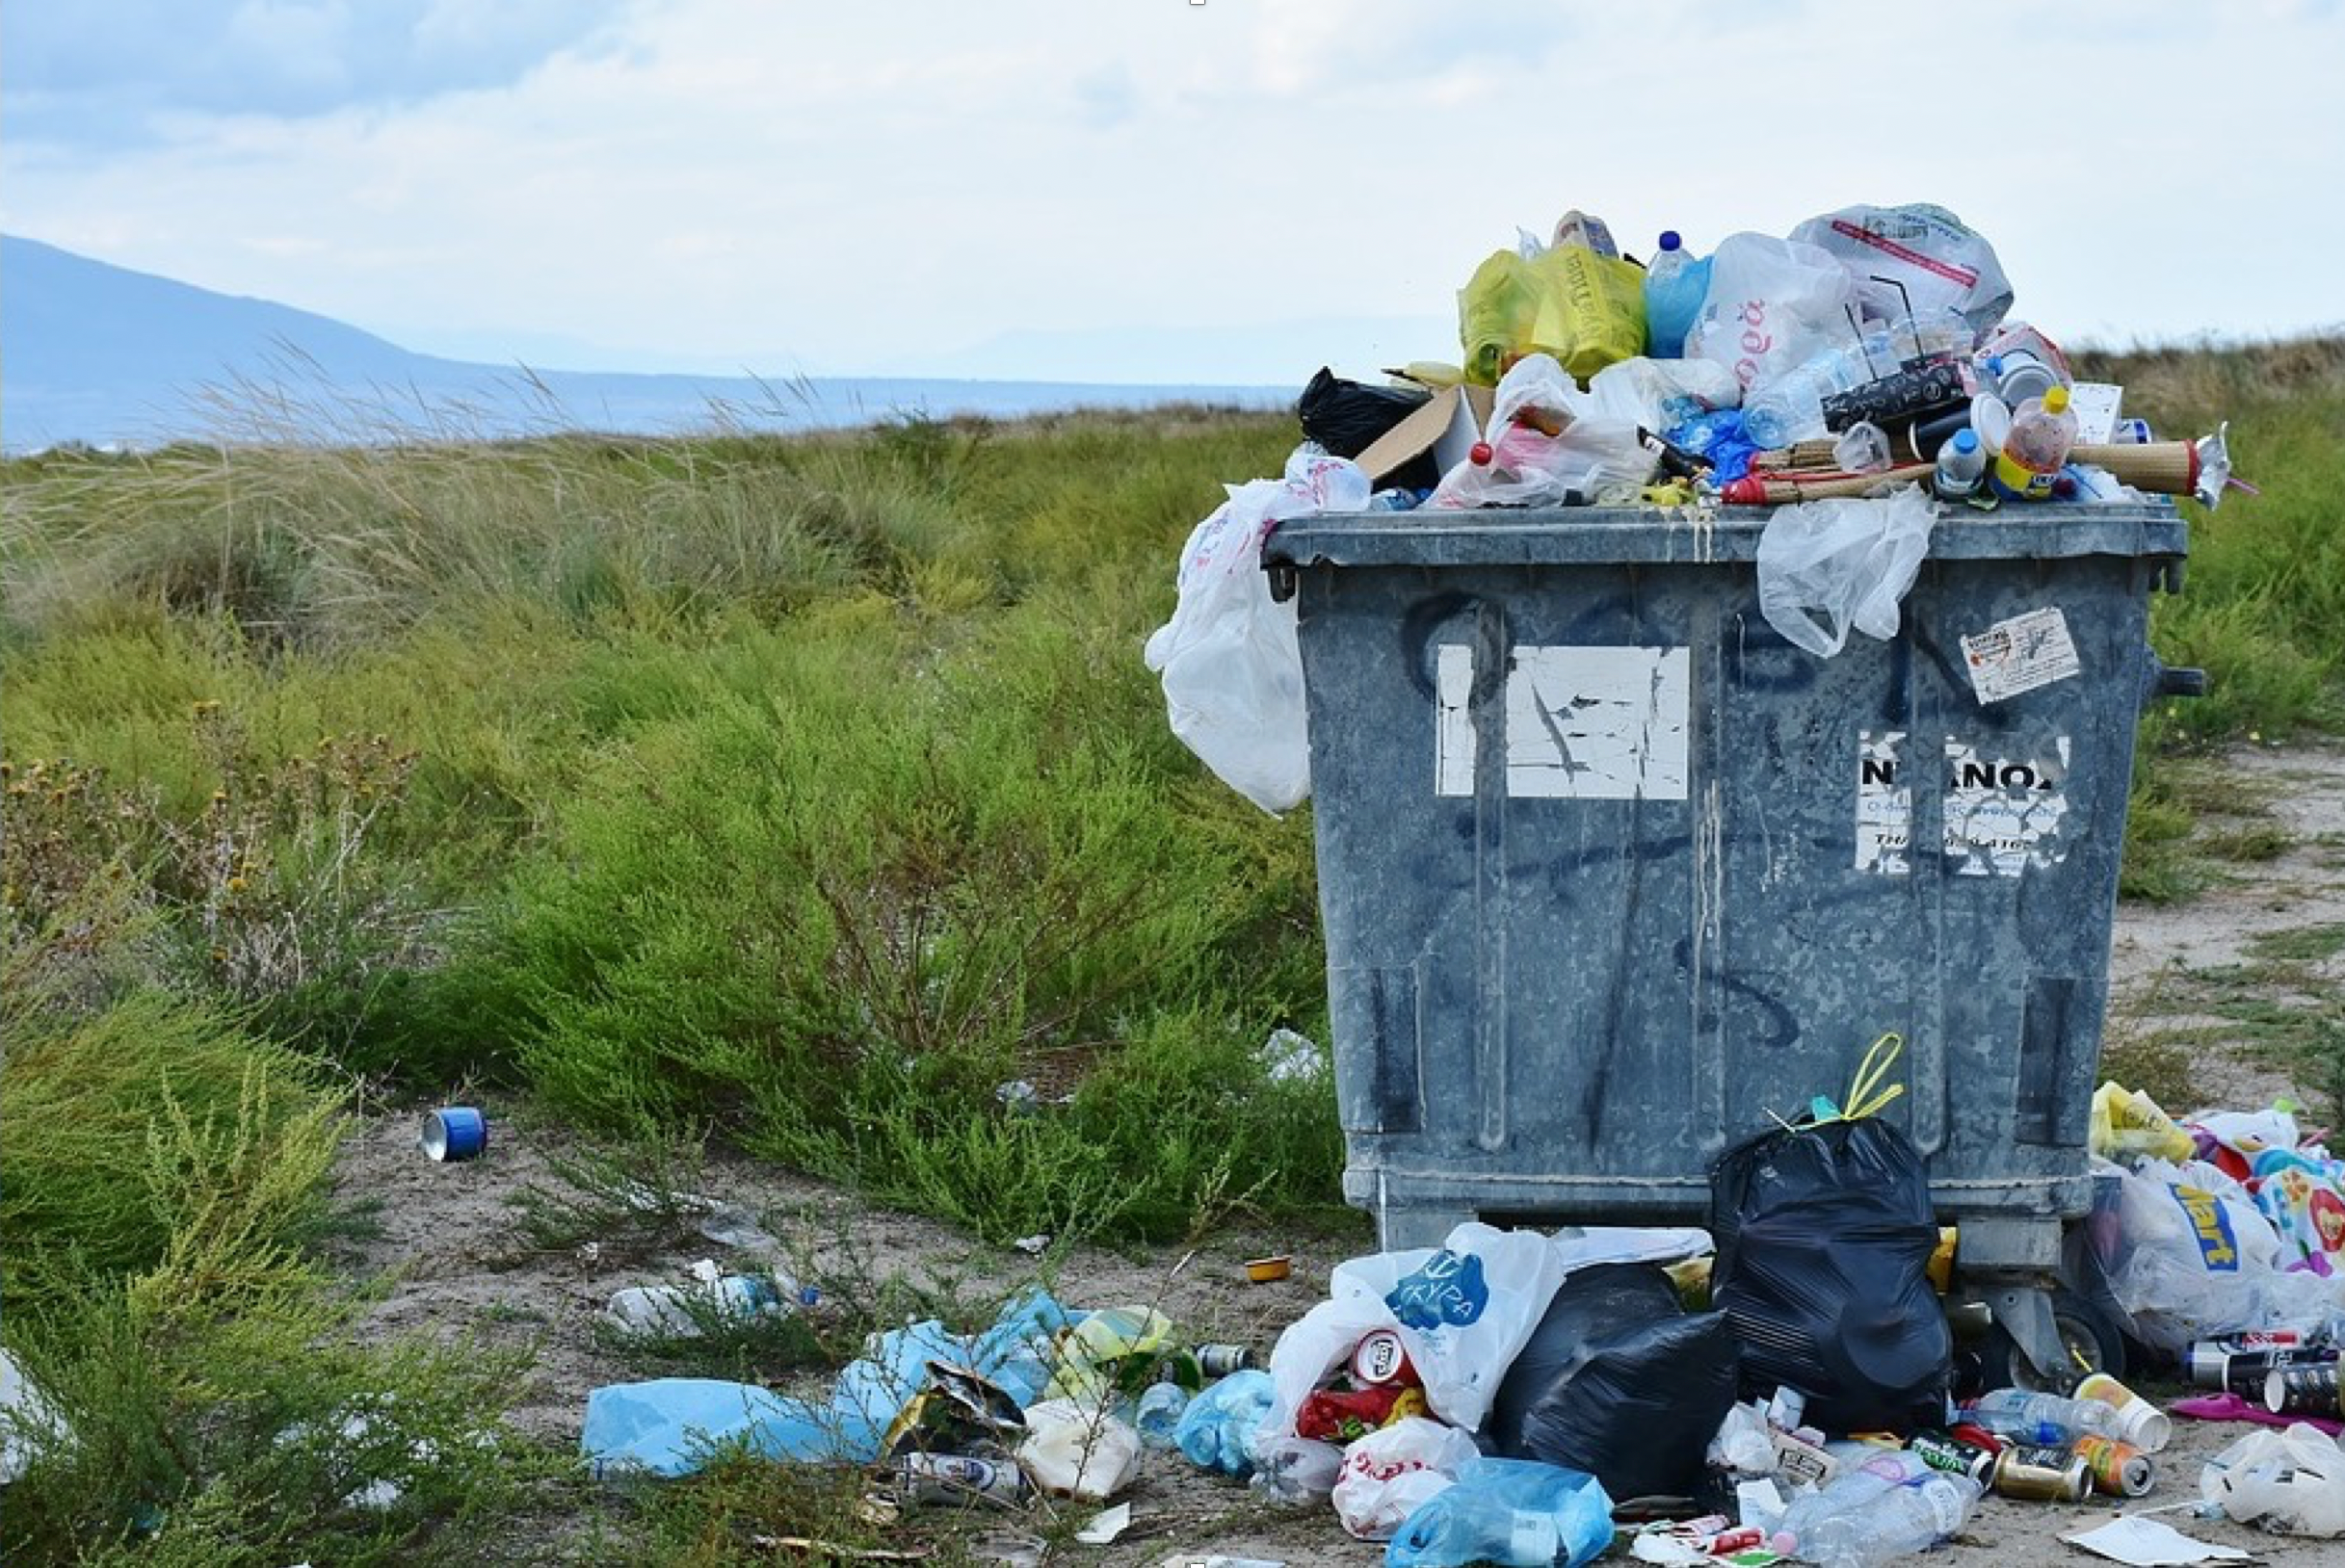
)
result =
(669, 1425)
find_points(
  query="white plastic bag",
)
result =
(1231, 666)
(1590, 458)
(1929, 250)
(1773, 304)
(1826, 566)
(1392, 1470)
(1078, 1451)
(1660, 393)
(2196, 1257)
(2291, 1482)
(1463, 1310)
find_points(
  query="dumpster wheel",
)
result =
(2090, 1335)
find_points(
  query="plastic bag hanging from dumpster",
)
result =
(1826, 566)
(1232, 671)
(1825, 1232)
(1588, 310)
(1619, 1381)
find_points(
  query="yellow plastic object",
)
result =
(1090, 1351)
(1940, 1266)
(2129, 1124)
(1692, 1277)
(1585, 309)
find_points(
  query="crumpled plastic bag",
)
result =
(1394, 1471)
(2194, 1258)
(1828, 567)
(1295, 1471)
(1587, 311)
(2291, 1482)
(1547, 1514)
(1078, 1451)
(1547, 448)
(1463, 1310)
(1088, 1352)
(2130, 1125)
(1217, 1429)
(1773, 304)
(1232, 666)
(1659, 393)
(1941, 262)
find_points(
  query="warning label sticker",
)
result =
(2021, 653)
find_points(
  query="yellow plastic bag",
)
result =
(1585, 309)
(2127, 1124)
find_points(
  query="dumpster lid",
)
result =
(1604, 535)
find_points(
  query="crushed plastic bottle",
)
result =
(1791, 407)
(1891, 1524)
(686, 1311)
(2016, 1413)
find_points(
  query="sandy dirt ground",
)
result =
(448, 1245)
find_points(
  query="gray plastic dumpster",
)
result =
(1610, 869)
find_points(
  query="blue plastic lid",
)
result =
(1669, 239)
(1966, 440)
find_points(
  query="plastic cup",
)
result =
(2142, 1424)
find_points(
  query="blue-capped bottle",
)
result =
(1676, 285)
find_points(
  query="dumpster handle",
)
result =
(2174, 681)
(1282, 580)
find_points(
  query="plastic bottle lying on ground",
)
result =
(685, 1311)
(1891, 1524)
(2010, 1411)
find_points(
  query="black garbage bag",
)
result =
(1347, 418)
(1824, 1239)
(1619, 1381)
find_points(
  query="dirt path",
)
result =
(451, 1238)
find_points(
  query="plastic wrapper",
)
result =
(1508, 1511)
(1387, 1475)
(2130, 1125)
(1772, 305)
(1824, 1240)
(1585, 309)
(1830, 567)
(1078, 1451)
(1619, 1381)
(1232, 666)
(1217, 1428)
(1463, 1312)
(1939, 262)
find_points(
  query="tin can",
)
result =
(1381, 1358)
(2119, 1469)
(453, 1133)
(1943, 1451)
(957, 1480)
(2302, 1391)
(2243, 1372)
(2044, 1475)
(1221, 1360)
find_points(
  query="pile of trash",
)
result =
(1861, 376)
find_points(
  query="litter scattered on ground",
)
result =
(1105, 1527)
(2152, 1543)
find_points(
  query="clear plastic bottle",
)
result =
(1893, 1524)
(1160, 1410)
(1676, 285)
(2041, 431)
(1962, 467)
(682, 1311)
(2016, 1413)
(1791, 407)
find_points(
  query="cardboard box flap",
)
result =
(1448, 427)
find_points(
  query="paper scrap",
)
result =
(2153, 1543)
(2021, 653)
(1105, 1527)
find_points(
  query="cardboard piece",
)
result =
(1448, 427)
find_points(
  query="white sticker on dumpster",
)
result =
(1884, 805)
(2004, 813)
(2021, 653)
(1582, 723)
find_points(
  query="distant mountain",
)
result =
(104, 355)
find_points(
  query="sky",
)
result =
(1147, 188)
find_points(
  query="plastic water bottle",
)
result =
(1676, 285)
(1894, 1524)
(1962, 467)
(680, 1311)
(1791, 407)
(2042, 432)
(2016, 1413)
(1160, 1411)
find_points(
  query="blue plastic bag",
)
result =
(1517, 1513)
(668, 1426)
(1217, 1428)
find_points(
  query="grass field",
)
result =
(807, 791)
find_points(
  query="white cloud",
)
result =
(847, 187)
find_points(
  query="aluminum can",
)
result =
(2302, 1391)
(2045, 1475)
(1943, 1451)
(2119, 1469)
(957, 1480)
(1221, 1360)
